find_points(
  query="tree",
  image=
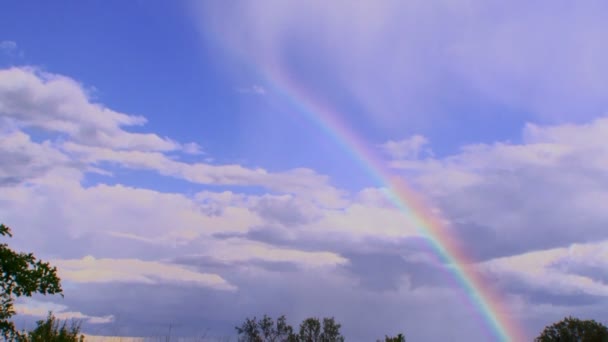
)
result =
(250, 331)
(21, 275)
(310, 330)
(398, 338)
(574, 329)
(50, 330)
(331, 331)
(265, 330)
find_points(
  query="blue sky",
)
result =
(155, 49)
(154, 149)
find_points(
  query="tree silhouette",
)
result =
(575, 330)
(311, 330)
(265, 330)
(21, 275)
(398, 338)
(50, 330)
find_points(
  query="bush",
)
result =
(51, 330)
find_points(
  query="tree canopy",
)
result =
(574, 329)
(311, 330)
(21, 274)
(51, 330)
(398, 338)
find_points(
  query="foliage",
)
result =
(574, 329)
(311, 330)
(21, 275)
(265, 330)
(50, 330)
(331, 331)
(398, 338)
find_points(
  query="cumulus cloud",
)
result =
(530, 213)
(559, 271)
(57, 103)
(22, 159)
(554, 178)
(31, 98)
(287, 210)
(265, 249)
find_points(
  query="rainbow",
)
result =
(409, 202)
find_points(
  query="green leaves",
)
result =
(50, 330)
(574, 329)
(265, 330)
(311, 330)
(398, 338)
(4, 230)
(21, 275)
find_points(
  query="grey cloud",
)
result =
(286, 211)
(594, 272)
(377, 265)
(23, 159)
(297, 295)
(504, 198)
(385, 272)
(548, 296)
(526, 209)
(210, 264)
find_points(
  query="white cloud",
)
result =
(92, 270)
(541, 269)
(304, 182)
(192, 148)
(40, 309)
(98, 338)
(164, 218)
(95, 134)
(554, 178)
(240, 250)
(22, 159)
(254, 89)
(410, 148)
(59, 104)
(544, 192)
(8, 47)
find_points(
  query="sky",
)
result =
(189, 164)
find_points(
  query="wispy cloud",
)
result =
(412, 62)
(254, 89)
(40, 309)
(92, 270)
(10, 48)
